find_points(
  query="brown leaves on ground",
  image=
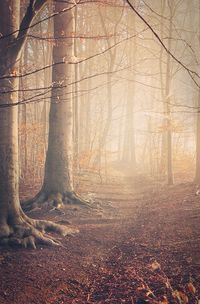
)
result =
(191, 288)
(144, 250)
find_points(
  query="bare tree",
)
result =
(15, 226)
(58, 181)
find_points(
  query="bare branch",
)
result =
(32, 10)
(71, 62)
(191, 73)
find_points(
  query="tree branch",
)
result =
(191, 73)
(33, 8)
(75, 62)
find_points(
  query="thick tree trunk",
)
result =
(58, 167)
(9, 192)
(15, 227)
(58, 183)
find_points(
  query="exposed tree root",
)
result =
(74, 198)
(34, 202)
(54, 201)
(26, 232)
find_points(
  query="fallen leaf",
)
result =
(164, 301)
(180, 296)
(155, 266)
(190, 287)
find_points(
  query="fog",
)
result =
(135, 102)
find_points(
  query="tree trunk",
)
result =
(170, 178)
(197, 171)
(197, 175)
(15, 227)
(58, 167)
(76, 100)
(162, 168)
(58, 182)
(9, 187)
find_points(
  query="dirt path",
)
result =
(143, 249)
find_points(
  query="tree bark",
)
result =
(197, 171)
(197, 175)
(58, 167)
(58, 181)
(170, 177)
(15, 227)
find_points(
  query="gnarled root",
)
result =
(74, 198)
(27, 232)
(34, 202)
(54, 201)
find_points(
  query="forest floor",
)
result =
(143, 246)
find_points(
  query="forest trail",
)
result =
(143, 247)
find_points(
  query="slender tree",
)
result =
(170, 178)
(129, 155)
(197, 173)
